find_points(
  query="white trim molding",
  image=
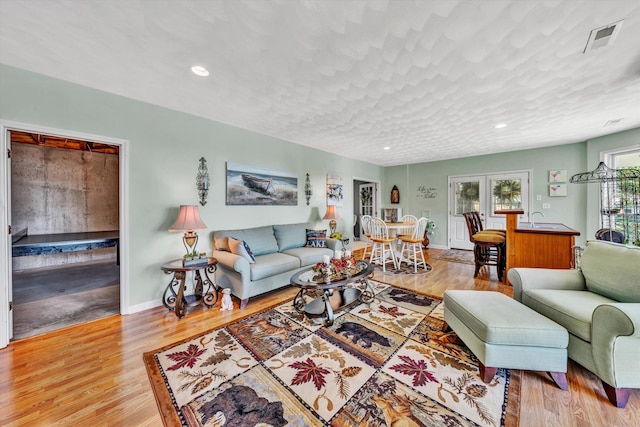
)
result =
(5, 215)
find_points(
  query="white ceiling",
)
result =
(429, 79)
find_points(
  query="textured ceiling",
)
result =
(429, 79)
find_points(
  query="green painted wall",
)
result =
(578, 210)
(165, 146)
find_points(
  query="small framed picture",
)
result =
(558, 175)
(557, 190)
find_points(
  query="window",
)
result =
(620, 209)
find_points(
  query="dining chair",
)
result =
(365, 221)
(383, 250)
(410, 220)
(411, 250)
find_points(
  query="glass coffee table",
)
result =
(321, 298)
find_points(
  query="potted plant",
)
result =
(428, 229)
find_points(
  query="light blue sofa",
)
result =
(279, 252)
(600, 307)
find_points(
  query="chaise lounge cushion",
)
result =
(614, 283)
(571, 309)
(490, 316)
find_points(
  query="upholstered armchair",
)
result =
(600, 307)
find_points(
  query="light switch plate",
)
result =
(546, 206)
(539, 197)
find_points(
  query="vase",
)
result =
(425, 241)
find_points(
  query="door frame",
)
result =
(485, 175)
(6, 332)
(356, 197)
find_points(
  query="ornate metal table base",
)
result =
(334, 296)
(205, 290)
(332, 300)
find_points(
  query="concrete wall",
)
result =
(56, 191)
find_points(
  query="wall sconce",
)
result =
(202, 181)
(308, 189)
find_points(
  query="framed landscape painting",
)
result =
(251, 185)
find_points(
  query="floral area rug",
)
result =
(456, 255)
(390, 362)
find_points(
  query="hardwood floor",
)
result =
(93, 374)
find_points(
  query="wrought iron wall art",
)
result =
(202, 181)
(619, 202)
(308, 189)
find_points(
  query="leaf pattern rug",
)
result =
(390, 362)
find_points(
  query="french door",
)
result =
(485, 194)
(368, 202)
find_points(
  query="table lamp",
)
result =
(188, 221)
(332, 214)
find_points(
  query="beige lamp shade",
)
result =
(332, 215)
(188, 219)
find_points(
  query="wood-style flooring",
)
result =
(92, 374)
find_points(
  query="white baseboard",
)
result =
(144, 306)
(438, 247)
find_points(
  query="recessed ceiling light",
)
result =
(387, 148)
(500, 126)
(199, 70)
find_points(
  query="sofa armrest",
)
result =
(544, 278)
(232, 261)
(615, 341)
(334, 244)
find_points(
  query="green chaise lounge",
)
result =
(599, 305)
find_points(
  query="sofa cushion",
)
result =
(271, 264)
(316, 239)
(221, 243)
(571, 309)
(240, 247)
(309, 256)
(260, 239)
(291, 235)
(612, 270)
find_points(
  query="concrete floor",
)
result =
(46, 299)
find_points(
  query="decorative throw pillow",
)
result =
(240, 247)
(316, 238)
(222, 243)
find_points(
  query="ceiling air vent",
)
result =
(603, 36)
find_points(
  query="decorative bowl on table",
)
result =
(336, 269)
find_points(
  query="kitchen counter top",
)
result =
(545, 227)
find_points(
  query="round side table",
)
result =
(205, 290)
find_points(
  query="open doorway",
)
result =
(65, 231)
(365, 202)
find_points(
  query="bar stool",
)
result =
(383, 250)
(489, 245)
